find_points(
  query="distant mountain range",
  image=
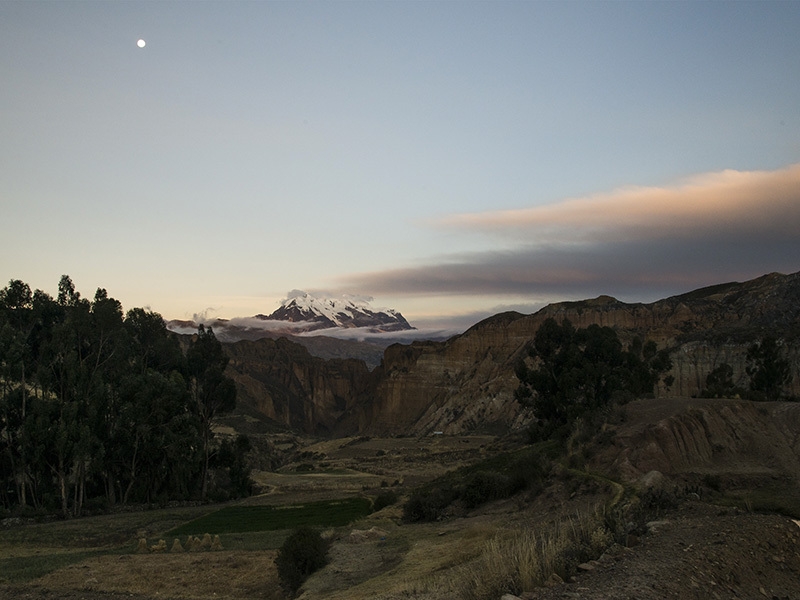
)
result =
(347, 312)
(313, 321)
(467, 383)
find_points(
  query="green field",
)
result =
(243, 519)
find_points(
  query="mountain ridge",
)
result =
(467, 382)
(346, 312)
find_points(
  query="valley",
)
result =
(699, 528)
(426, 479)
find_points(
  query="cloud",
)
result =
(266, 324)
(634, 241)
(405, 336)
(205, 316)
(732, 200)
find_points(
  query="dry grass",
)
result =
(98, 554)
(415, 561)
(220, 575)
(521, 560)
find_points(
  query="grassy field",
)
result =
(31, 551)
(20, 569)
(472, 551)
(243, 519)
(99, 553)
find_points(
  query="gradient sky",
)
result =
(449, 159)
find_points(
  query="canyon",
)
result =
(466, 384)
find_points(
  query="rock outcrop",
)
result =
(285, 383)
(737, 440)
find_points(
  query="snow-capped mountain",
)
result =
(345, 312)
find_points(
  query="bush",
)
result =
(484, 486)
(428, 504)
(493, 479)
(383, 500)
(303, 553)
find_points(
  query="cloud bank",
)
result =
(635, 242)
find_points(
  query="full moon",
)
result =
(141, 43)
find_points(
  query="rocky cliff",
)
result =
(285, 383)
(735, 443)
(467, 383)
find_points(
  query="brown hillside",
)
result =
(467, 383)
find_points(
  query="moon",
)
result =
(141, 43)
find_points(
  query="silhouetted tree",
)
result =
(769, 371)
(212, 391)
(719, 383)
(576, 371)
(94, 406)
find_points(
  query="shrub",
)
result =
(303, 553)
(484, 486)
(496, 478)
(713, 481)
(429, 504)
(384, 499)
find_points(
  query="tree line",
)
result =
(574, 373)
(100, 407)
(571, 374)
(768, 370)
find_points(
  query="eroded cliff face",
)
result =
(284, 382)
(735, 439)
(464, 384)
(467, 383)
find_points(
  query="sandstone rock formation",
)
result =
(467, 383)
(285, 383)
(732, 444)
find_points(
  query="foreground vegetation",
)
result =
(517, 516)
(98, 408)
(240, 519)
(539, 535)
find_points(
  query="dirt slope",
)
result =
(698, 552)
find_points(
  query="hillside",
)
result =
(695, 527)
(467, 383)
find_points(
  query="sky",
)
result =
(450, 160)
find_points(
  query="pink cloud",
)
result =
(732, 200)
(634, 242)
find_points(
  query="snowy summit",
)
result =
(344, 312)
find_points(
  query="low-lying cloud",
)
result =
(632, 242)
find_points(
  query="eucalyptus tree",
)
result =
(212, 391)
(770, 372)
(574, 372)
(97, 405)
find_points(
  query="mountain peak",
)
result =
(346, 312)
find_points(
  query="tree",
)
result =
(303, 553)
(212, 391)
(577, 371)
(769, 371)
(97, 407)
(154, 448)
(151, 345)
(719, 382)
(230, 470)
(16, 325)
